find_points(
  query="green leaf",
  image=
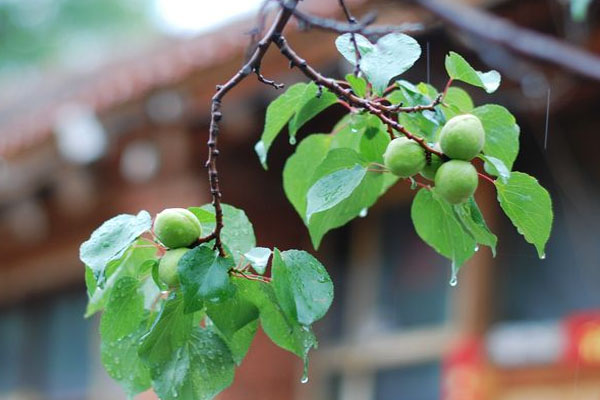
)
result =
(496, 167)
(358, 85)
(470, 216)
(309, 106)
(300, 167)
(156, 278)
(283, 331)
(501, 133)
(299, 104)
(459, 69)
(240, 342)
(258, 258)
(457, 101)
(199, 369)
(425, 124)
(237, 234)
(232, 314)
(236, 319)
(436, 223)
(302, 285)
(278, 114)
(204, 277)
(529, 207)
(363, 134)
(130, 264)
(363, 196)
(392, 55)
(122, 362)
(579, 9)
(170, 331)
(124, 311)
(332, 189)
(90, 281)
(111, 240)
(373, 142)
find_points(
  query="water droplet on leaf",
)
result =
(363, 213)
(454, 275)
(304, 378)
(292, 140)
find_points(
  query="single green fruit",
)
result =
(404, 157)
(167, 267)
(177, 227)
(462, 137)
(431, 167)
(456, 181)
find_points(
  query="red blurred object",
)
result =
(583, 339)
(464, 371)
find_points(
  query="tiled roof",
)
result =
(28, 114)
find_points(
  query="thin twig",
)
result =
(345, 94)
(487, 178)
(361, 26)
(352, 21)
(251, 65)
(269, 82)
(251, 277)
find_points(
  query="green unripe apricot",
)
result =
(456, 181)
(404, 157)
(167, 267)
(177, 227)
(462, 137)
(431, 167)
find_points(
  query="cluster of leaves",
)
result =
(185, 341)
(332, 177)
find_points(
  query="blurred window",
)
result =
(44, 348)
(413, 286)
(394, 304)
(570, 272)
(418, 382)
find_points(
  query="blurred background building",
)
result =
(104, 110)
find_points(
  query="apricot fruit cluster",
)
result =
(176, 229)
(460, 140)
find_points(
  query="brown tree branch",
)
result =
(352, 21)
(346, 94)
(361, 26)
(252, 65)
(520, 40)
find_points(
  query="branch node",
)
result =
(270, 82)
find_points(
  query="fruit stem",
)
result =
(249, 276)
(487, 178)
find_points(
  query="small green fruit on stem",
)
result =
(177, 227)
(167, 267)
(404, 157)
(456, 181)
(462, 137)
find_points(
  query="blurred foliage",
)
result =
(41, 31)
